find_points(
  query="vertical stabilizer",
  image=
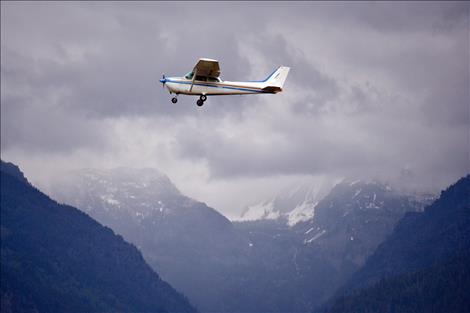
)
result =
(278, 78)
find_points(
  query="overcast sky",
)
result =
(375, 90)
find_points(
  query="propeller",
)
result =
(163, 81)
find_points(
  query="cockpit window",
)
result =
(213, 79)
(190, 76)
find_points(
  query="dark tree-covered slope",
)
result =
(422, 267)
(423, 239)
(55, 258)
(440, 288)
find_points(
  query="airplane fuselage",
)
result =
(181, 85)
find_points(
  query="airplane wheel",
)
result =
(200, 102)
(203, 98)
(174, 100)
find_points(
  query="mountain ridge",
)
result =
(268, 264)
(55, 258)
(428, 249)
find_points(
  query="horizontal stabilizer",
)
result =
(272, 89)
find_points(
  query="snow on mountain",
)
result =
(294, 204)
(302, 212)
(299, 202)
(139, 193)
(315, 237)
(357, 211)
(258, 211)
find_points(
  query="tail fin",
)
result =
(275, 81)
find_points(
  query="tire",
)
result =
(203, 98)
(199, 102)
(174, 100)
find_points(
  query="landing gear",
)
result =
(201, 100)
(174, 99)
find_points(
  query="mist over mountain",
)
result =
(423, 266)
(140, 204)
(190, 244)
(55, 258)
(319, 237)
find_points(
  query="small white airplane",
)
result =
(204, 80)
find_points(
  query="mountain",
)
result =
(292, 205)
(313, 258)
(143, 205)
(423, 266)
(262, 265)
(55, 258)
(355, 217)
(190, 244)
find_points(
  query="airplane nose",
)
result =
(163, 80)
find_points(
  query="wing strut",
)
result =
(192, 82)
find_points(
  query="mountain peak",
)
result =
(135, 177)
(12, 170)
(136, 192)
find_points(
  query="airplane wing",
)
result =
(207, 68)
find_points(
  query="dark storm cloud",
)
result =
(374, 86)
(234, 158)
(386, 16)
(32, 118)
(378, 148)
(424, 113)
(107, 69)
(88, 59)
(320, 87)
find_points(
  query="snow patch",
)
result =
(260, 211)
(303, 212)
(308, 231)
(315, 237)
(357, 193)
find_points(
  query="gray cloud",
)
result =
(375, 88)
